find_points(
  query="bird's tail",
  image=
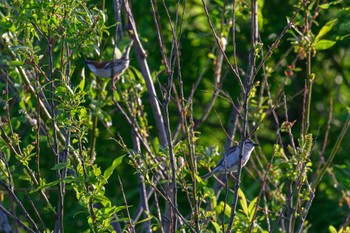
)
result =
(127, 51)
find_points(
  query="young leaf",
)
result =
(325, 29)
(252, 207)
(220, 208)
(324, 44)
(59, 166)
(216, 226)
(243, 202)
(332, 229)
(114, 165)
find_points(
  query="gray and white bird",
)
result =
(111, 69)
(230, 161)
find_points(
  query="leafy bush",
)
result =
(77, 154)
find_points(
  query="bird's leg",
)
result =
(114, 81)
(233, 176)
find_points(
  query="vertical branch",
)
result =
(291, 138)
(276, 43)
(131, 227)
(158, 212)
(234, 71)
(16, 220)
(144, 203)
(142, 186)
(172, 191)
(59, 219)
(330, 118)
(14, 197)
(309, 78)
(234, 35)
(191, 145)
(117, 15)
(248, 83)
(62, 157)
(217, 85)
(4, 158)
(141, 57)
(38, 126)
(265, 85)
(333, 153)
(160, 39)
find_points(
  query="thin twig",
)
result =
(142, 188)
(218, 41)
(131, 223)
(19, 203)
(17, 220)
(276, 43)
(141, 57)
(248, 84)
(333, 153)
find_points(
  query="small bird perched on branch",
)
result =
(111, 69)
(230, 161)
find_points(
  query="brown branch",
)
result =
(248, 84)
(218, 41)
(19, 203)
(17, 220)
(141, 57)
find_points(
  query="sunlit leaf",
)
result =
(216, 226)
(324, 44)
(59, 166)
(332, 229)
(325, 29)
(251, 208)
(243, 202)
(109, 171)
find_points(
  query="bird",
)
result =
(230, 160)
(111, 69)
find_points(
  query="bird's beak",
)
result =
(256, 144)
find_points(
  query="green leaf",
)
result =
(82, 84)
(144, 220)
(243, 202)
(15, 63)
(220, 208)
(332, 229)
(211, 56)
(325, 29)
(44, 185)
(216, 226)
(252, 207)
(96, 170)
(108, 172)
(59, 166)
(102, 199)
(60, 90)
(219, 2)
(69, 179)
(324, 44)
(325, 6)
(116, 96)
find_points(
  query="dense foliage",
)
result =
(78, 155)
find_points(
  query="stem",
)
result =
(234, 71)
(141, 57)
(17, 220)
(333, 153)
(309, 92)
(191, 145)
(248, 83)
